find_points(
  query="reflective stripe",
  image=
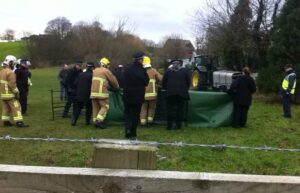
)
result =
(285, 83)
(153, 93)
(100, 92)
(150, 119)
(100, 118)
(3, 82)
(7, 96)
(18, 118)
(16, 104)
(95, 94)
(143, 121)
(5, 118)
(107, 106)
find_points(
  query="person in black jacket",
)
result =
(71, 87)
(242, 89)
(22, 84)
(83, 95)
(176, 82)
(62, 78)
(135, 81)
(119, 74)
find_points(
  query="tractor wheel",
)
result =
(195, 80)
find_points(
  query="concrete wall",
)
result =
(29, 179)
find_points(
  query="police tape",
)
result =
(151, 143)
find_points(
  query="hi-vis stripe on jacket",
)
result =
(102, 77)
(286, 83)
(8, 86)
(151, 90)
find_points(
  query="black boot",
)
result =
(73, 123)
(7, 124)
(21, 124)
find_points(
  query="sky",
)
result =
(150, 19)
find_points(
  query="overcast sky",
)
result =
(152, 19)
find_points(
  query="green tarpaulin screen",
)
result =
(205, 109)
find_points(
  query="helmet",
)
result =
(146, 62)
(104, 62)
(9, 59)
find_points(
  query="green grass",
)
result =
(11, 48)
(265, 127)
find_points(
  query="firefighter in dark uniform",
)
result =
(22, 84)
(71, 87)
(176, 82)
(83, 95)
(242, 90)
(135, 81)
(288, 89)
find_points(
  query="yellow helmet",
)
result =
(146, 62)
(104, 62)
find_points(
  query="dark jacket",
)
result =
(242, 89)
(177, 83)
(62, 76)
(135, 81)
(72, 80)
(84, 86)
(22, 79)
(119, 74)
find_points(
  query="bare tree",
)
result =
(9, 35)
(60, 26)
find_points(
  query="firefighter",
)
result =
(71, 87)
(288, 87)
(83, 95)
(102, 79)
(149, 106)
(22, 79)
(135, 81)
(9, 94)
(176, 82)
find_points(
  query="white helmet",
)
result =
(8, 59)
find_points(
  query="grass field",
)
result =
(266, 127)
(11, 48)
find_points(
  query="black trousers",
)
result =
(286, 101)
(132, 118)
(71, 99)
(240, 115)
(175, 111)
(78, 106)
(23, 101)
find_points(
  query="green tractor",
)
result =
(202, 71)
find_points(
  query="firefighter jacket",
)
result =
(102, 78)
(8, 86)
(289, 82)
(151, 90)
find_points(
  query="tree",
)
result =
(60, 26)
(9, 35)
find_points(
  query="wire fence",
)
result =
(151, 143)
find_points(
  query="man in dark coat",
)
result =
(135, 81)
(22, 84)
(83, 95)
(287, 90)
(62, 78)
(71, 86)
(119, 74)
(242, 89)
(176, 82)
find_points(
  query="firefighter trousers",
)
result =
(11, 108)
(148, 111)
(100, 109)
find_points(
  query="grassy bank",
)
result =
(266, 127)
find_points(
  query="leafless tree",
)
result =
(60, 26)
(9, 34)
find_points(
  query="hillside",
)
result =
(14, 48)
